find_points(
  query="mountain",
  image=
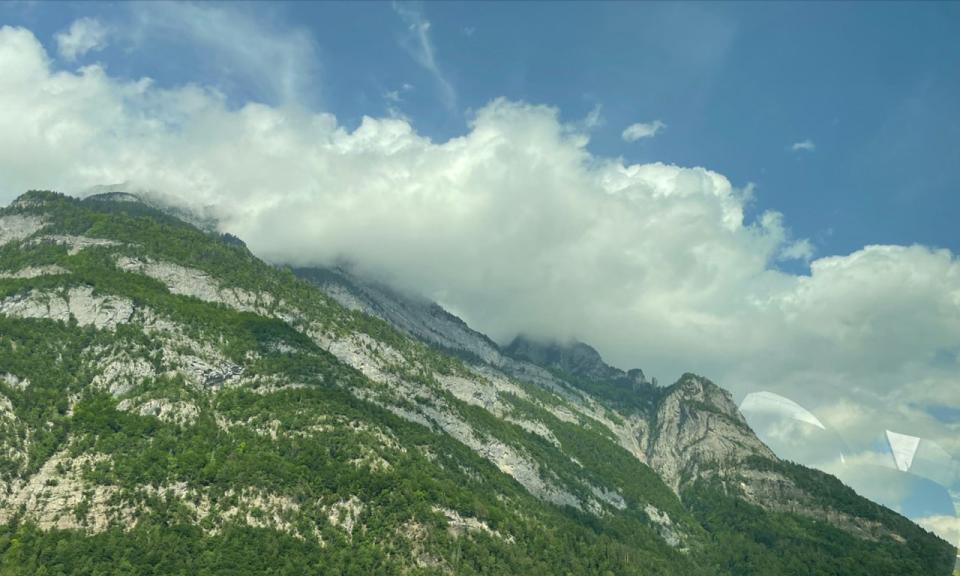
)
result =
(575, 359)
(171, 404)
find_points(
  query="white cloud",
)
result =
(396, 96)
(799, 250)
(84, 35)
(803, 146)
(594, 118)
(518, 226)
(421, 47)
(640, 130)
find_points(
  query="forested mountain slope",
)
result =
(171, 404)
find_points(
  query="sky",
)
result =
(765, 194)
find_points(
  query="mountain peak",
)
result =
(574, 358)
(36, 198)
(696, 388)
(114, 197)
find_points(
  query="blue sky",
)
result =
(873, 86)
(782, 218)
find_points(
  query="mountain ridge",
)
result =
(200, 388)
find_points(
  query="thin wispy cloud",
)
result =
(594, 118)
(84, 35)
(396, 96)
(641, 130)
(279, 64)
(421, 47)
(804, 146)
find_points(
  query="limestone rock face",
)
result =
(197, 283)
(74, 244)
(79, 302)
(697, 431)
(17, 227)
(57, 496)
(13, 445)
(35, 272)
(665, 526)
(775, 492)
(411, 314)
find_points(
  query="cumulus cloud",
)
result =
(641, 130)
(803, 146)
(517, 226)
(84, 35)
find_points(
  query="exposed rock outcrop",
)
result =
(345, 514)
(74, 244)
(698, 431)
(198, 284)
(35, 272)
(14, 442)
(413, 315)
(458, 525)
(18, 226)
(664, 526)
(58, 496)
(80, 302)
